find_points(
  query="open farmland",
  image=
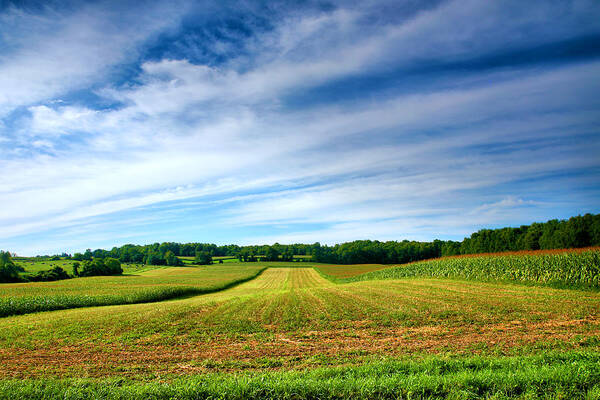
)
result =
(31, 265)
(337, 271)
(151, 284)
(576, 269)
(255, 339)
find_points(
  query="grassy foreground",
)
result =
(548, 376)
(148, 286)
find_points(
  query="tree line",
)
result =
(12, 272)
(167, 253)
(579, 231)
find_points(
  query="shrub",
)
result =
(9, 271)
(203, 258)
(99, 266)
(55, 274)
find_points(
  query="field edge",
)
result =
(164, 294)
(548, 375)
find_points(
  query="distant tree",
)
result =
(450, 248)
(272, 254)
(203, 258)
(579, 231)
(288, 255)
(113, 266)
(54, 274)
(101, 267)
(154, 258)
(171, 259)
(531, 240)
(76, 266)
(88, 254)
(9, 271)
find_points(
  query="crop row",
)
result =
(547, 376)
(576, 270)
(29, 304)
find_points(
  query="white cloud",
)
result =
(286, 153)
(371, 167)
(55, 52)
(61, 121)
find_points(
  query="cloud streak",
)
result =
(226, 143)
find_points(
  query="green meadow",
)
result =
(138, 285)
(314, 331)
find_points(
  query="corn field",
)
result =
(155, 286)
(577, 270)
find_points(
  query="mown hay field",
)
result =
(292, 333)
(291, 318)
(337, 271)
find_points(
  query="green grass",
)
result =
(33, 265)
(338, 271)
(150, 285)
(571, 270)
(293, 318)
(572, 375)
(291, 333)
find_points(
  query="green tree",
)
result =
(101, 267)
(171, 259)
(272, 254)
(203, 258)
(76, 266)
(9, 271)
(113, 266)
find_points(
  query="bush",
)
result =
(172, 260)
(9, 271)
(203, 258)
(76, 266)
(101, 267)
(55, 274)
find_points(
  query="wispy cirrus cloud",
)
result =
(51, 51)
(436, 122)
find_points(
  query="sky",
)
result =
(255, 122)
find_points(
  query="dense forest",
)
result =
(580, 231)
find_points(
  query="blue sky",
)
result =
(262, 122)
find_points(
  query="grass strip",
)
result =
(573, 375)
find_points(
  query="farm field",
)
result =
(293, 330)
(337, 271)
(150, 284)
(571, 269)
(32, 265)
